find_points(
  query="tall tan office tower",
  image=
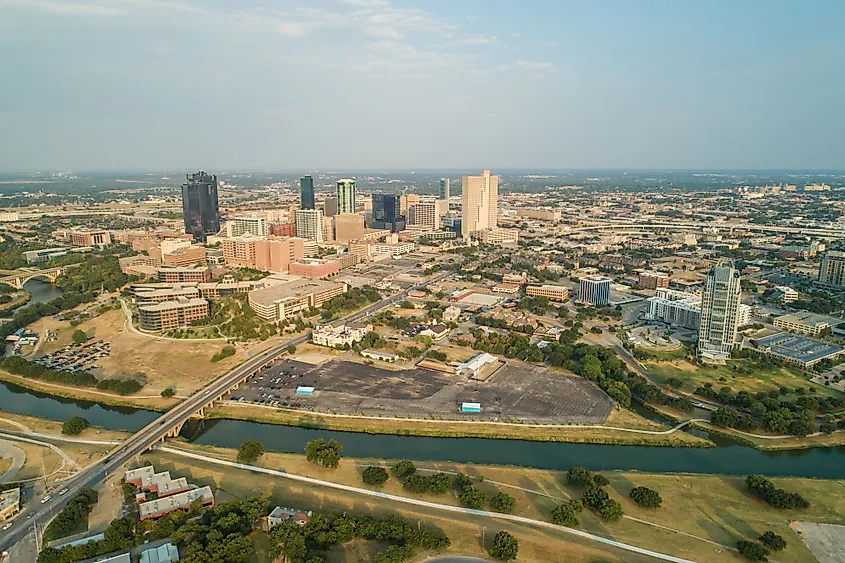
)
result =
(479, 202)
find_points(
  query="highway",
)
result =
(142, 440)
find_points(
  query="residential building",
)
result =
(832, 269)
(283, 229)
(163, 553)
(200, 206)
(348, 226)
(424, 214)
(315, 268)
(719, 308)
(306, 192)
(552, 292)
(346, 196)
(239, 252)
(139, 265)
(480, 195)
(499, 236)
(339, 335)
(256, 226)
(9, 216)
(594, 290)
(160, 484)
(280, 514)
(10, 503)
(90, 237)
(160, 507)
(675, 308)
(166, 315)
(444, 189)
(652, 280)
(283, 300)
(436, 332)
(744, 315)
(807, 323)
(196, 274)
(309, 224)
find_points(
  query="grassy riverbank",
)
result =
(701, 515)
(452, 429)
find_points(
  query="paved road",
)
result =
(10, 450)
(94, 474)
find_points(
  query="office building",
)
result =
(315, 268)
(200, 206)
(184, 275)
(90, 237)
(479, 200)
(278, 302)
(306, 192)
(33, 257)
(444, 189)
(146, 295)
(497, 236)
(832, 270)
(807, 323)
(406, 201)
(256, 226)
(348, 226)
(139, 265)
(797, 350)
(387, 212)
(146, 480)
(276, 255)
(346, 196)
(166, 315)
(185, 256)
(652, 280)
(309, 224)
(395, 249)
(594, 290)
(330, 206)
(239, 252)
(10, 503)
(719, 310)
(540, 214)
(424, 215)
(552, 292)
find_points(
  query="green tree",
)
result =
(578, 476)
(79, 336)
(566, 514)
(646, 497)
(291, 349)
(600, 480)
(250, 451)
(472, 497)
(403, 468)
(502, 502)
(773, 541)
(375, 475)
(74, 426)
(752, 551)
(325, 454)
(168, 392)
(505, 547)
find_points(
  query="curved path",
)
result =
(9, 450)
(130, 327)
(426, 504)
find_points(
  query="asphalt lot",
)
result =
(517, 390)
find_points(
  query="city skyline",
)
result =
(651, 85)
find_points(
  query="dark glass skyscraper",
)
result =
(306, 192)
(199, 205)
(387, 212)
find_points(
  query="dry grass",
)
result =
(47, 426)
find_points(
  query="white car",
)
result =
(63, 491)
(46, 499)
(7, 526)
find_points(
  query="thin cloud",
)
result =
(479, 40)
(525, 65)
(552, 44)
(65, 8)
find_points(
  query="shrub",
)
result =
(224, 353)
(74, 426)
(764, 489)
(567, 514)
(250, 451)
(505, 547)
(752, 551)
(578, 476)
(773, 541)
(416, 483)
(646, 497)
(375, 476)
(79, 336)
(502, 502)
(611, 510)
(403, 468)
(168, 392)
(291, 349)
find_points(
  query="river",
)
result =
(40, 291)
(828, 463)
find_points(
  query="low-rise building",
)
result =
(796, 350)
(160, 484)
(90, 237)
(315, 268)
(280, 514)
(146, 295)
(436, 332)
(283, 300)
(139, 265)
(650, 279)
(340, 334)
(675, 308)
(786, 294)
(164, 553)
(477, 364)
(157, 508)
(804, 323)
(227, 287)
(506, 288)
(552, 292)
(185, 256)
(451, 313)
(378, 355)
(43, 255)
(396, 249)
(499, 236)
(196, 274)
(166, 315)
(10, 503)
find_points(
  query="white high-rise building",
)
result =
(238, 226)
(594, 290)
(719, 311)
(346, 194)
(309, 224)
(480, 199)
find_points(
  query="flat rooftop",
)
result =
(811, 319)
(797, 347)
(176, 304)
(298, 288)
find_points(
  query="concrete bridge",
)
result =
(18, 280)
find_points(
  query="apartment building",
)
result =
(341, 334)
(498, 236)
(650, 279)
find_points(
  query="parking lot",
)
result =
(76, 358)
(517, 390)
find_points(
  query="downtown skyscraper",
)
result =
(306, 192)
(479, 201)
(444, 189)
(346, 196)
(719, 308)
(200, 206)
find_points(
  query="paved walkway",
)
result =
(9, 450)
(418, 502)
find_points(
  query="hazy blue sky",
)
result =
(357, 84)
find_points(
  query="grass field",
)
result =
(757, 379)
(165, 363)
(700, 515)
(371, 425)
(47, 426)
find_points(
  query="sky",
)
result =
(440, 84)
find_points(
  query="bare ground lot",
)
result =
(826, 541)
(518, 390)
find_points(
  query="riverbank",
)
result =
(632, 430)
(701, 518)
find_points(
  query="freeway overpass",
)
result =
(692, 225)
(168, 425)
